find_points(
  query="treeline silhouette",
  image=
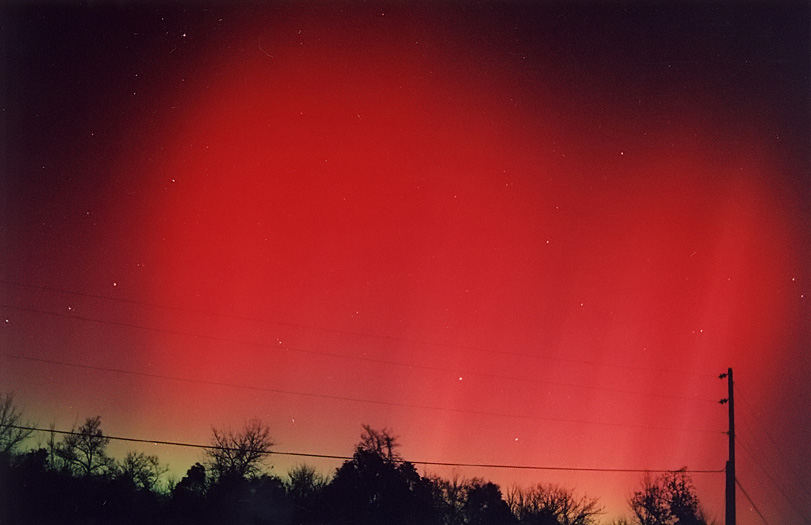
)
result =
(73, 480)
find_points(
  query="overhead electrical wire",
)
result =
(354, 399)
(349, 357)
(796, 508)
(353, 333)
(765, 430)
(737, 482)
(346, 458)
(754, 442)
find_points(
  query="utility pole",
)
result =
(730, 486)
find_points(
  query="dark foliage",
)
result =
(485, 506)
(670, 499)
(34, 493)
(238, 500)
(75, 482)
(375, 487)
(305, 488)
(188, 502)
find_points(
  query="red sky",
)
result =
(512, 235)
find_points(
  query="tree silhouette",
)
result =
(235, 499)
(376, 487)
(194, 482)
(484, 504)
(552, 505)
(75, 481)
(142, 471)
(85, 450)
(451, 495)
(380, 443)
(305, 487)
(188, 496)
(11, 417)
(240, 453)
(670, 499)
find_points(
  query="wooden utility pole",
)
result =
(730, 486)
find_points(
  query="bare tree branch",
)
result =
(10, 417)
(241, 453)
(85, 451)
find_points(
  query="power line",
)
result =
(751, 502)
(754, 441)
(353, 333)
(329, 456)
(350, 399)
(765, 430)
(173, 443)
(344, 356)
(774, 483)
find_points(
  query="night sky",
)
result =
(512, 233)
